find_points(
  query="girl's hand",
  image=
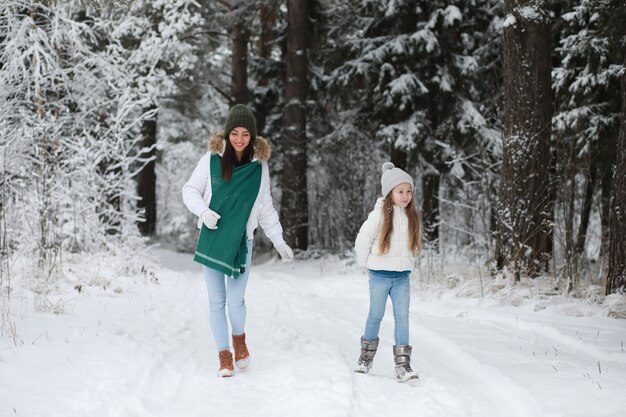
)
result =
(286, 254)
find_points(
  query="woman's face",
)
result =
(402, 194)
(239, 139)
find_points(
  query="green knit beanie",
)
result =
(240, 116)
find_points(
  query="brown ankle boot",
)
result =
(242, 356)
(226, 364)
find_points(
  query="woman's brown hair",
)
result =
(415, 227)
(229, 158)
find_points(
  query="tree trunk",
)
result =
(146, 179)
(430, 206)
(551, 209)
(5, 258)
(267, 16)
(605, 205)
(586, 210)
(525, 191)
(616, 276)
(569, 199)
(239, 81)
(294, 207)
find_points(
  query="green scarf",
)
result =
(224, 249)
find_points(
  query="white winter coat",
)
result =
(197, 191)
(399, 257)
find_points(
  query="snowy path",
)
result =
(148, 352)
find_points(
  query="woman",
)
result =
(229, 191)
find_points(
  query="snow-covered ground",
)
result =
(134, 347)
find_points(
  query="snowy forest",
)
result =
(509, 115)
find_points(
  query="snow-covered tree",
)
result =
(586, 123)
(71, 109)
(523, 225)
(159, 44)
(402, 77)
(42, 52)
(616, 274)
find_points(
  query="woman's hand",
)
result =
(210, 218)
(286, 254)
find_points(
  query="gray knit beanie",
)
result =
(393, 177)
(240, 116)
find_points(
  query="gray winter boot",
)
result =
(368, 350)
(402, 355)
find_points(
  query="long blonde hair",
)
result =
(415, 227)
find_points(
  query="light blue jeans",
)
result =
(223, 290)
(399, 290)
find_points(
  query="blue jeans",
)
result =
(399, 290)
(231, 292)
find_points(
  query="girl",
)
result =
(229, 191)
(387, 245)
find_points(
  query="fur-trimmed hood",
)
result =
(262, 148)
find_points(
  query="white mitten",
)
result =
(286, 254)
(210, 218)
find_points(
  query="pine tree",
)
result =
(586, 123)
(525, 191)
(403, 80)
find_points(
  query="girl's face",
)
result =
(401, 195)
(239, 139)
